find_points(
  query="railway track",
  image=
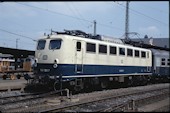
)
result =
(16, 101)
(120, 102)
(132, 105)
(96, 101)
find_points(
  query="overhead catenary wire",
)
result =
(75, 12)
(17, 34)
(13, 41)
(154, 8)
(108, 26)
(78, 13)
(54, 12)
(143, 14)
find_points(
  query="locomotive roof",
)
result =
(80, 35)
(105, 40)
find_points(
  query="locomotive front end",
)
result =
(47, 58)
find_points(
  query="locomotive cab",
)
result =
(47, 57)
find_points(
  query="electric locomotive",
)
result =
(75, 59)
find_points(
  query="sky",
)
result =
(22, 23)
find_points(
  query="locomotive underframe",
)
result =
(90, 83)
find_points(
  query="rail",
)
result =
(133, 104)
(13, 100)
(61, 108)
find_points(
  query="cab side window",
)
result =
(78, 46)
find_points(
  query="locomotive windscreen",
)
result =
(55, 44)
(41, 44)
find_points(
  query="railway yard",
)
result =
(152, 97)
(87, 81)
(68, 68)
(91, 88)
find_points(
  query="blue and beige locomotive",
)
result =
(81, 61)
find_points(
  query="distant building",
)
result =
(160, 42)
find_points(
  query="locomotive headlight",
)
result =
(55, 66)
(55, 63)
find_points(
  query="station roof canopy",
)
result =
(16, 52)
(5, 55)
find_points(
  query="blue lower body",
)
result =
(84, 70)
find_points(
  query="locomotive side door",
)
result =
(78, 56)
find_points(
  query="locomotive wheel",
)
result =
(88, 86)
(77, 88)
(144, 80)
(55, 86)
(104, 84)
(130, 83)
